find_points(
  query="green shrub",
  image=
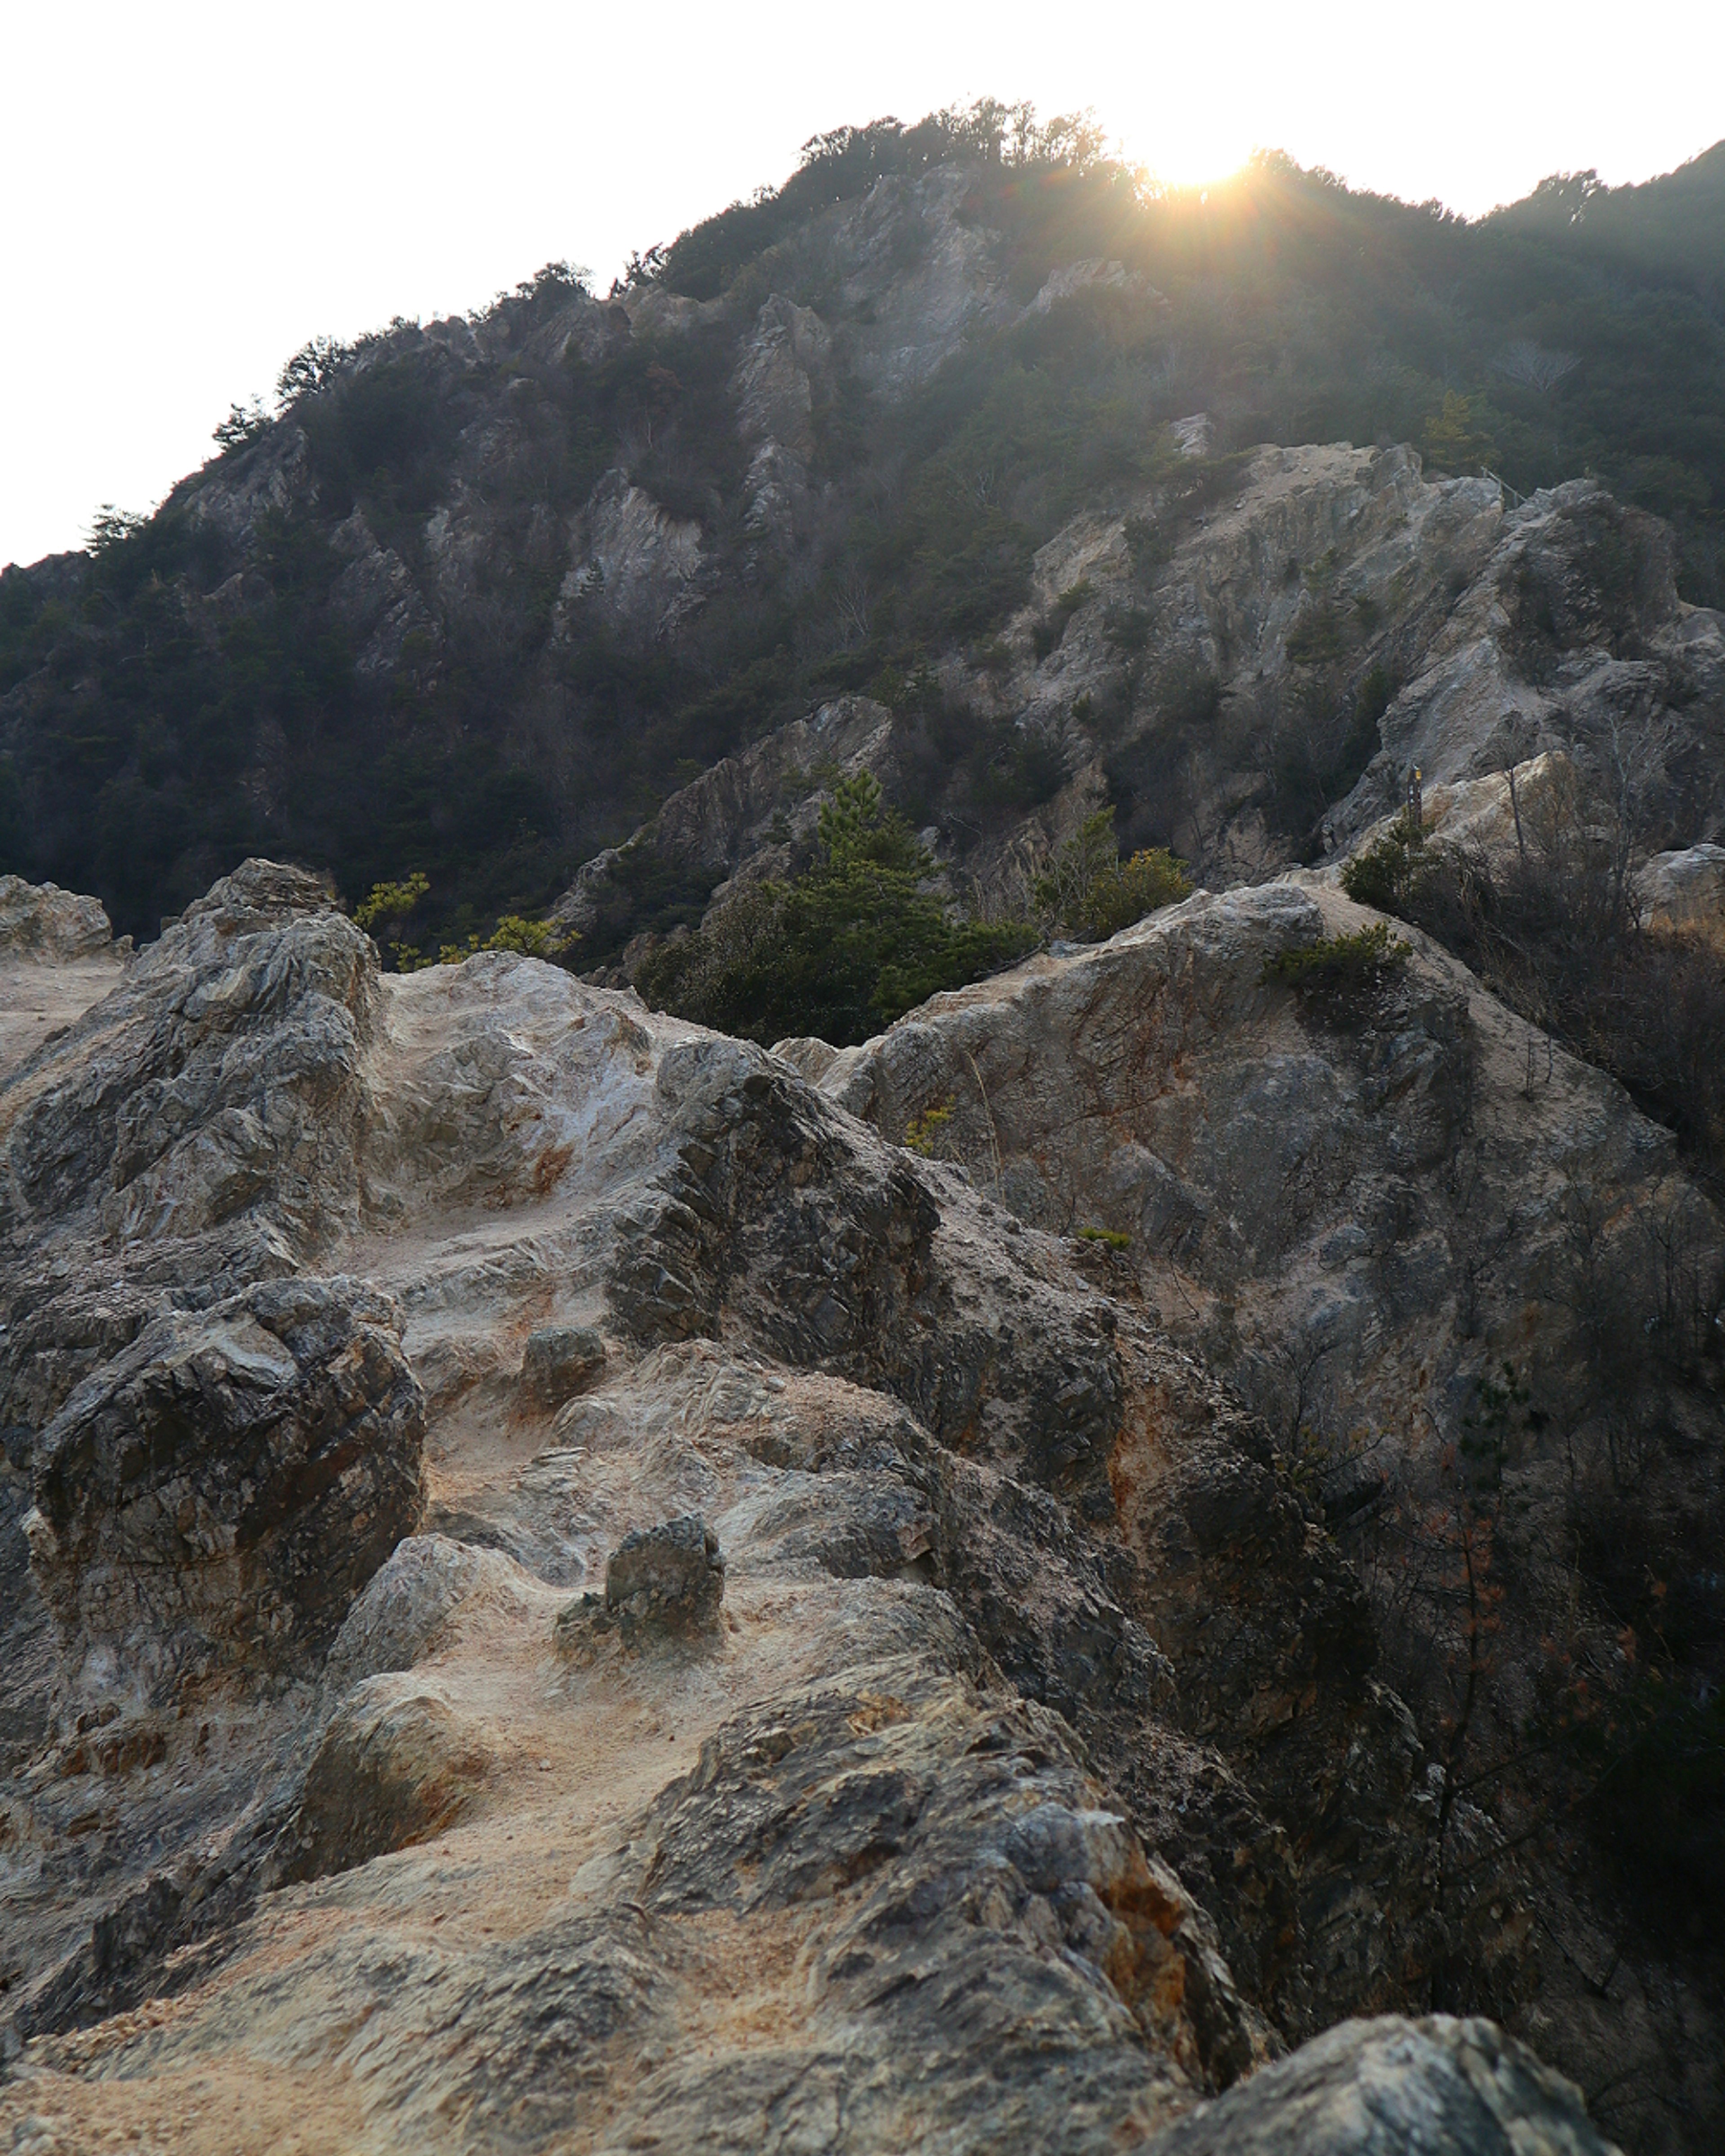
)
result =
(1362, 960)
(1149, 547)
(926, 1133)
(1387, 876)
(843, 950)
(1091, 894)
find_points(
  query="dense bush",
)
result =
(840, 951)
(1088, 892)
(1355, 963)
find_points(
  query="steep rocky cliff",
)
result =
(565, 1590)
(1253, 683)
(1133, 1562)
(480, 594)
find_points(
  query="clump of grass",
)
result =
(923, 1133)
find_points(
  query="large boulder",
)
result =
(213, 1498)
(395, 1765)
(220, 1078)
(1435, 2088)
(40, 921)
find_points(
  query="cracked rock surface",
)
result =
(1009, 1770)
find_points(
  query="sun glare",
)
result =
(1193, 154)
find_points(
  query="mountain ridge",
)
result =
(371, 632)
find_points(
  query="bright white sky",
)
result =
(191, 190)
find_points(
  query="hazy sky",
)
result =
(191, 190)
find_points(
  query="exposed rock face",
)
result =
(1686, 888)
(638, 568)
(1328, 1175)
(1340, 613)
(1429, 2087)
(1572, 637)
(375, 599)
(42, 921)
(726, 818)
(219, 1080)
(217, 1494)
(1030, 1784)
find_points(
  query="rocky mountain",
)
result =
(481, 593)
(1123, 1554)
(567, 1589)
(564, 1590)
(1253, 683)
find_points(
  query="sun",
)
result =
(1193, 150)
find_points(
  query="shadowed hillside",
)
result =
(481, 593)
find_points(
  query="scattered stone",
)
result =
(667, 1582)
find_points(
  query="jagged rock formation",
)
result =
(1029, 1779)
(219, 1490)
(1298, 1182)
(1254, 683)
(944, 407)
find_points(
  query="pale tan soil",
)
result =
(38, 998)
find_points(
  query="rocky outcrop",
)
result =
(1434, 2086)
(1571, 638)
(559, 1361)
(215, 1495)
(1018, 1773)
(636, 567)
(1335, 621)
(377, 600)
(1684, 889)
(1365, 1188)
(750, 809)
(217, 1080)
(393, 1767)
(40, 921)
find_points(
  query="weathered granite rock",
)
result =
(1571, 637)
(662, 1582)
(1031, 1781)
(1368, 1205)
(45, 922)
(220, 1075)
(1435, 2088)
(639, 568)
(1685, 889)
(1333, 576)
(213, 1497)
(558, 1361)
(395, 1766)
(404, 1607)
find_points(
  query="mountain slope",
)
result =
(486, 592)
(563, 1590)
